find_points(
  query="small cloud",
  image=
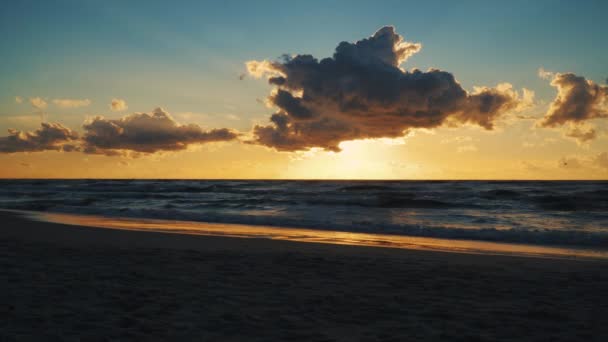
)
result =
(38, 103)
(232, 117)
(581, 136)
(24, 164)
(544, 74)
(578, 100)
(71, 103)
(118, 105)
(19, 99)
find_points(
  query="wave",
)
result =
(364, 187)
(574, 202)
(526, 236)
(567, 213)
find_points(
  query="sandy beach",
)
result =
(68, 283)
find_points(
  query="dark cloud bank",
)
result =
(138, 133)
(577, 100)
(361, 93)
(50, 136)
(146, 133)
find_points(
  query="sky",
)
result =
(197, 89)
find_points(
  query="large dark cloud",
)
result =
(50, 136)
(361, 93)
(578, 100)
(146, 133)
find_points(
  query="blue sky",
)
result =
(189, 54)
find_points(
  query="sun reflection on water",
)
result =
(320, 236)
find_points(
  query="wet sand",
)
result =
(69, 283)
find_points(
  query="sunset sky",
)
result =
(420, 90)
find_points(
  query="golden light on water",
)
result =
(319, 236)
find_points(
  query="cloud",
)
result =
(118, 105)
(361, 92)
(545, 74)
(19, 99)
(71, 103)
(577, 100)
(146, 133)
(50, 136)
(580, 135)
(38, 103)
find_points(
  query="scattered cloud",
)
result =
(146, 133)
(577, 101)
(544, 74)
(38, 103)
(580, 135)
(361, 92)
(19, 99)
(71, 103)
(50, 136)
(118, 105)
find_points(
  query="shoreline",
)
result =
(69, 283)
(316, 236)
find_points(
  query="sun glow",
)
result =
(359, 159)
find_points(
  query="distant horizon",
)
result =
(328, 179)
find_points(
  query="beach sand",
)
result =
(68, 283)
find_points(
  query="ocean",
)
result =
(562, 213)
